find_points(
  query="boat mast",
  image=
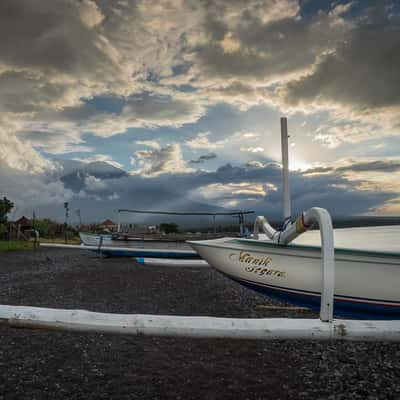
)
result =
(285, 170)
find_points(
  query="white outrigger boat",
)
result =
(366, 283)
(351, 283)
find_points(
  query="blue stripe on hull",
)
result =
(342, 308)
(149, 254)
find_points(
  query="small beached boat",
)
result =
(355, 283)
(172, 246)
(95, 239)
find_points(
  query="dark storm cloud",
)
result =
(262, 47)
(375, 166)
(333, 191)
(367, 166)
(25, 92)
(203, 158)
(318, 170)
(51, 35)
(363, 71)
(133, 111)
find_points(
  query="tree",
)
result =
(5, 207)
(47, 227)
(169, 227)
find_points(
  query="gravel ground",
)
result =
(40, 364)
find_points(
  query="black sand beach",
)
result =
(40, 364)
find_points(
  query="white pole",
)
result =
(285, 170)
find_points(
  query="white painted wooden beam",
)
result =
(198, 327)
(305, 220)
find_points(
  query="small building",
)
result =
(23, 223)
(16, 229)
(153, 229)
(109, 225)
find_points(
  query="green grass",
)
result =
(13, 245)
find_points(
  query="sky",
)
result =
(176, 105)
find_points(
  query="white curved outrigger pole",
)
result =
(292, 229)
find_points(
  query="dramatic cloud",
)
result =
(100, 158)
(149, 143)
(230, 194)
(201, 141)
(265, 41)
(163, 86)
(55, 56)
(375, 166)
(30, 190)
(94, 184)
(357, 81)
(365, 166)
(155, 162)
(16, 153)
(362, 71)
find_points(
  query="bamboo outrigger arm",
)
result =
(292, 230)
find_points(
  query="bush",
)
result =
(169, 227)
(47, 227)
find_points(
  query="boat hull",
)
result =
(93, 239)
(366, 283)
(112, 251)
(148, 253)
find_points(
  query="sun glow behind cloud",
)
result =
(298, 163)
